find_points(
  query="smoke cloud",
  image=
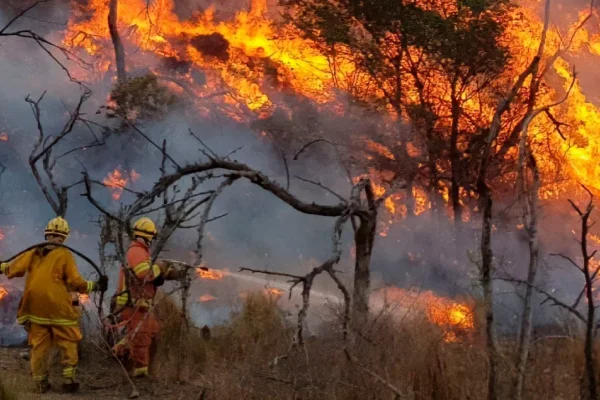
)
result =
(259, 230)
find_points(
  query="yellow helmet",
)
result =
(145, 228)
(57, 227)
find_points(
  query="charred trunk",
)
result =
(486, 283)
(363, 239)
(116, 40)
(589, 387)
(455, 164)
(410, 198)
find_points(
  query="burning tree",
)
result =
(411, 52)
(483, 116)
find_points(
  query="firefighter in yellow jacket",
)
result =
(46, 311)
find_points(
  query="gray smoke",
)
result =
(259, 230)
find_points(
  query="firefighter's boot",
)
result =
(43, 386)
(71, 386)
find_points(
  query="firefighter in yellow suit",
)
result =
(46, 310)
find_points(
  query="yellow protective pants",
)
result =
(42, 338)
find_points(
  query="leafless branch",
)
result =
(307, 280)
(287, 171)
(203, 221)
(212, 153)
(57, 196)
(19, 15)
(306, 146)
(161, 149)
(549, 296)
(322, 187)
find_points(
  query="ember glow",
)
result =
(273, 292)
(4, 137)
(205, 298)
(117, 180)
(3, 293)
(2, 235)
(84, 299)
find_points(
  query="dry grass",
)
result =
(409, 353)
(180, 353)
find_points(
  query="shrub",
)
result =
(140, 98)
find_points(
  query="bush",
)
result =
(254, 333)
(140, 98)
(179, 352)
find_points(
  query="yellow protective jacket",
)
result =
(51, 275)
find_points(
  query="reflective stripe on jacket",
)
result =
(51, 274)
(141, 288)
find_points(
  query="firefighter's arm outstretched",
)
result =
(18, 267)
(76, 281)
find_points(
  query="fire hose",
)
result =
(86, 258)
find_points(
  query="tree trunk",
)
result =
(531, 226)
(590, 386)
(525, 333)
(455, 163)
(363, 239)
(486, 283)
(410, 198)
(116, 39)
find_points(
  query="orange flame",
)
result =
(84, 299)
(244, 58)
(118, 180)
(4, 137)
(273, 292)
(211, 274)
(3, 292)
(2, 235)
(451, 316)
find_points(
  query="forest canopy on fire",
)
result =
(443, 144)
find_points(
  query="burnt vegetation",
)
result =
(440, 119)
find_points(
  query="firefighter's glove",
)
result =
(3, 267)
(102, 284)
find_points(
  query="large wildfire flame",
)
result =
(247, 58)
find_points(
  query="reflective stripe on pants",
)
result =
(42, 338)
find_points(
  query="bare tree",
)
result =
(47, 46)
(307, 280)
(589, 383)
(56, 195)
(528, 192)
